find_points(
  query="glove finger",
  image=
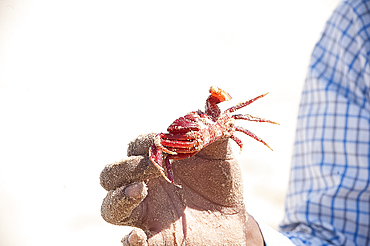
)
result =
(119, 204)
(141, 145)
(127, 171)
(136, 237)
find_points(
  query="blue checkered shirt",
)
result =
(328, 200)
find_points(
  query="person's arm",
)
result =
(328, 196)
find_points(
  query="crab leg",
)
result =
(178, 144)
(251, 134)
(176, 136)
(182, 151)
(252, 118)
(158, 144)
(243, 104)
(237, 141)
(156, 157)
(170, 172)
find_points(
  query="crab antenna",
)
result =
(243, 104)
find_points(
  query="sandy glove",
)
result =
(207, 210)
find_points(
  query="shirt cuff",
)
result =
(271, 236)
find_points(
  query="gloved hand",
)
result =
(207, 210)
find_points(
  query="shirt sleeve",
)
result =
(328, 196)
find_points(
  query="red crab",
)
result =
(189, 134)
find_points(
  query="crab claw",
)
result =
(219, 93)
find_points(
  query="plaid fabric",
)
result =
(328, 200)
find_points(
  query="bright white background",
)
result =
(79, 79)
